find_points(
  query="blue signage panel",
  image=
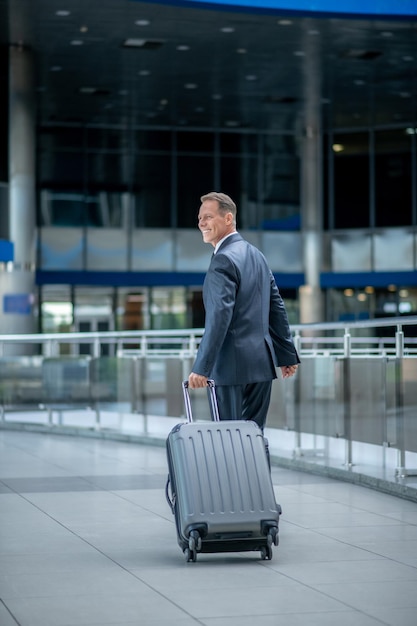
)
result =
(370, 8)
(6, 251)
(18, 303)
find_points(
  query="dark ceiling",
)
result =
(209, 68)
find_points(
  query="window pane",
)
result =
(281, 181)
(56, 138)
(239, 179)
(56, 309)
(60, 169)
(104, 138)
(152, 180)
(168, 308)
(351, 180)
(73, 209)
(195, 142)
(195, 178)
(108, 171)
(153, 140)
(230, 143)
(393, 178)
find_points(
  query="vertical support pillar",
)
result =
(17, 285)
(311, 297)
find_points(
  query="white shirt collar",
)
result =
(219, 243)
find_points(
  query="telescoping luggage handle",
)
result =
(212, 397)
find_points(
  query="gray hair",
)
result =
(226, 204)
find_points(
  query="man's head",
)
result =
(217, 217)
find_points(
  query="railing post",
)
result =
(399, 397)
(347, 397)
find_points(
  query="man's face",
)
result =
(212, 224)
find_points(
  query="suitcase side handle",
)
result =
(212, 398)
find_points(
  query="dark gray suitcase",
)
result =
(219, 485)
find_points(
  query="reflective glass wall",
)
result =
(133, 181)
(154, 179)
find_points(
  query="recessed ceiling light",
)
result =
(142, 22)
(216, 96)
(88, 90)
(93, 91)
(241, 51)
(363, 55)
(163, 102)
(299, 53)
(359, 81)
(83, 29)
(77, 42)
(227, 29)
(56, 68)
(338, 147)
(144, 44)
(62, 13)
(284, 22)
(251, 77)
(190, 86)
(123, 92)
(314, 32)
(144, 72)
(405, 94)
(408, 58)
(387, 33)
(183, 47)
(231, 123)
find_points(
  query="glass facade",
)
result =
(106, 177)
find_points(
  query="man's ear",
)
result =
(229, 218)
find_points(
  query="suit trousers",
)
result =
(247, 402)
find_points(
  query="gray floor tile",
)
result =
(6, 618)
(318, 572)
(91, 609)
(88, 539)
(345, 618)
(400, 616)
(368, 596)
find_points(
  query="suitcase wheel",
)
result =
(194, 541)
(266, 552)
(273, 537)
(190, 555)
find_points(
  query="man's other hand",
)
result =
(288, 370)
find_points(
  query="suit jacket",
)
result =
(247, 334)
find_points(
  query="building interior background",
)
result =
(140, 108)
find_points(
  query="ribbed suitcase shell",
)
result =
(221, 483)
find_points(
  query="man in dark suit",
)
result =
(247, 334)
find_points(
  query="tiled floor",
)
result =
(87, 538)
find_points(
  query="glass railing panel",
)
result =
(409, 377)
(21, 382)
(367, 399)
(112, 384)
(66, 381)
